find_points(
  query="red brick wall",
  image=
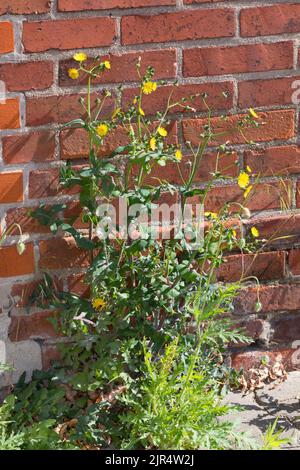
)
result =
(249, 49)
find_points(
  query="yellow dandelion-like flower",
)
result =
(212, 215)
(107, 64)
(247, 191)
(243, 180)
(178, 155)
(152, 143)
(162, 132)
(73, 73)
(141, 111)
(254, 232)
(234, 233)
(253, 113)
(99, 303)
(149, 87)
(80, 57)
(102, 130)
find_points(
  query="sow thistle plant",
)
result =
(143, 365)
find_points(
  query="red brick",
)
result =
(74, 212)
(294, 262)
(27, 76)
(34, 326)
(163, 61)
(266, 92)
(45, 183)
(50, 354)
(24, 7)
(269, 20)
(203, 61)
(190, 2)
(285, 330)
(74, 142)
(13, 264)
(77, 286)
(274, 160)
(10, 114)
(25, 148)
(280, 230)
(79, 5)
(264, 196)
(61, 254)
(253, 359)
(39, 36)
(22, 217)
(251, 328)
(6, 37)
(274, 298)
(178, 26)
(11, 187)
(226, 165)
(274, 125)
(22, 293)
(265, 266)
(158, 101)
(60, 109)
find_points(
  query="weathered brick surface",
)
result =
(25, 148)
(237, 59)
(41, 36)
(6, 37)
(123, 67)
(79, 5)
(272, 161)
(275, 125)
(27, 76)
(12, 264)
(178, 26)
(10, 114)
(24, 7)
(61, 254)
(11, 187)
(274, 19)
(242, 55)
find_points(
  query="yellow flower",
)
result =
(234, 233)
(253, 113)
(246, 193)
(80, 57)
(178, 155)
(249, 169)
(149, 87)
(243, 180)
(73, 73)
(141, 111)
(255, 232)
(99, 303)
(162, 132)
(152, 143)
(102, 130)
(212, 215)
(107, 64)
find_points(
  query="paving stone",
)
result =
(282, 399)
(261, 408)
(22, 356)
